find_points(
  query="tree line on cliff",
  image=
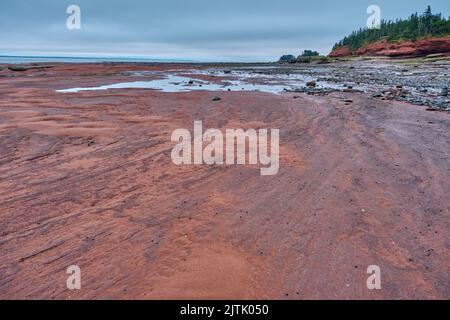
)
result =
(413, 28)
(305, 56)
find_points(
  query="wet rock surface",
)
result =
(424, 84)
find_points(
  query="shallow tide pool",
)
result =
(174, 83)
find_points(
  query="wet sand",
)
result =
(86, 179)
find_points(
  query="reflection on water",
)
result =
(175, 83)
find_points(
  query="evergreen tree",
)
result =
(413, 28)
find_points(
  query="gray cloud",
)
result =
(192, 29)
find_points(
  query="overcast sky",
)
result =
(201, 30)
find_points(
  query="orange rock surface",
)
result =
(418, 48)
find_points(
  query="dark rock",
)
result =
(288, 58)
(19, 68)
(389, 95)
(404, 91)
(351, 90)
(216, 98)
(301, 59)
(444, 92)
(311, 83)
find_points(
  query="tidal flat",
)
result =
(86, 179)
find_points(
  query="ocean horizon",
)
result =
(13, 59)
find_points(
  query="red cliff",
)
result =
(341, 52)
(417, 48)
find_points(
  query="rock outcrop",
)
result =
(288, 58)
(341, 52)
(410, 49)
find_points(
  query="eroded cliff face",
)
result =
(341, 52)
(411, 49)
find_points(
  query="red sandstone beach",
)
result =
(86, 179)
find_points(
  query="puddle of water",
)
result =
(174, 83)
